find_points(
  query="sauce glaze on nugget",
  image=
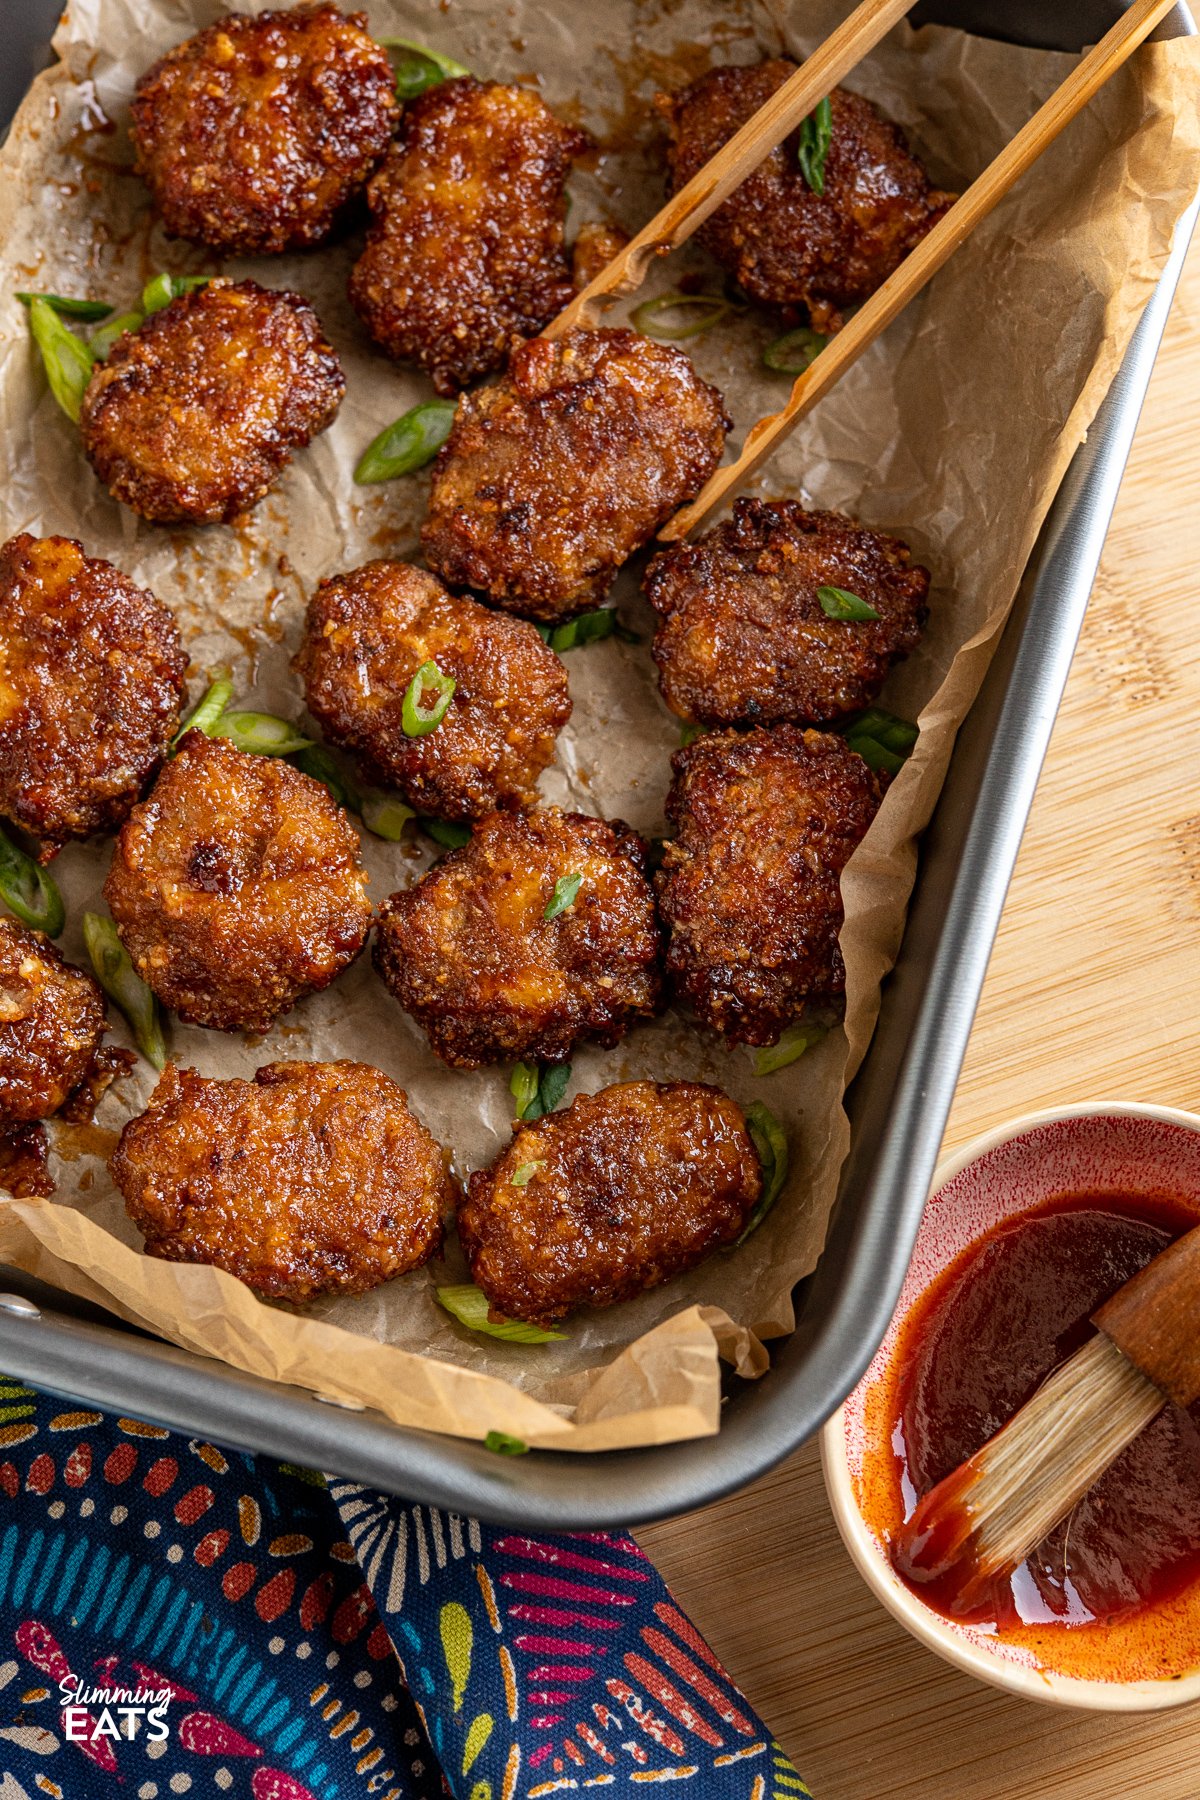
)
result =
(195, 414)
(465, 257)
(314, 1178)
(91, 682)
(254, 134)
(749, 889)
(52, 1019)
(559, 471)
(622, 1191)
(366, 635)
(236, 887)
(743, 636)
(470, 953)
(782, 243)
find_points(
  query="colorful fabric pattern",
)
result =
(180, 1619)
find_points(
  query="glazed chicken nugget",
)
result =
(465, 257)
(314, 1178)
(52, 1019)
(558, 472)
(366, 636)
(622, 1191)
(783, 243)
(254, 134)
(539, 931)
(749, 887)
(236, 887)
(91, 683)
(744, 636)
(195, 414)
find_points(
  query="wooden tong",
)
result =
(782, 112)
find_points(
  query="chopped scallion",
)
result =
(792, 353)
(28, 891)
(69, 308)
(674, 316)
(418, 67)
(426, 700)
(840, 603)
(566, 890)
(470, 1306)
(816, 134)
(122, 983)
(766, 1134)
(408, 443)
(65, 357)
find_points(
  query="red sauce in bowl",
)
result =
(978, 1343)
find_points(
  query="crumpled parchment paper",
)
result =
(953, 431)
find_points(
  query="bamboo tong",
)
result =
(691, 206)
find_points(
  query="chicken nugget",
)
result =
(622, 1191)
(314, 1178)
(539, 931)
(749, 888)
(52, 1019)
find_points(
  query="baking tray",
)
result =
(898, 1105)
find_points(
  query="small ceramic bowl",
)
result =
(1113, 1148)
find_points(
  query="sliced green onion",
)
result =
(794, 351)
(71, 309)
(537, 1091)
(586, 628)
(205, 716)
(122, 983)
(840, 603)
(450, 833)
(689, 731)
(566, 888)
(523, 1174)
(419, 68)
(470, 1306)
(101, 342)
(816, 133)
(503, 1444)
(881, 739)
(28, 891)
(384, 815)
(523, 1086)
(766, 1134)
(790, 1048)
(653, 317)
(162, 289)
(408, 443)
(65, 357)
(260, 734)
(426, 700)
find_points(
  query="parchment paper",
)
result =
(953, 431)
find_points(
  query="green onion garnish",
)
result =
(418, 67)
(383, 814)
(790, 1048)
(65, 357)
(448, 832)
(426, 700)
(523, 1174)
(408, 443)
(566, 889)
(766, 1134)
(28, 891)
(162, 289)
(792, 353)
(586, 628)
(101, 341)
(816, 132)
(206, 714)
(259, 734)
(689, 731)
(470, 1306)
(69, 308)
(881, 739)
(537, 1091)
(122, 983)
(503, 1444)
(674, 316)
(840, 603)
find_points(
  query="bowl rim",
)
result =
(972, 1655)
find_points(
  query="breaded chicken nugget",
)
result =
(465, 256)
(91, 683)
(783, 243)
(52, 1019)
(558, 472)
(622, 1191)
(539, 931)
(744, 636)
(236, 887)
(366, 636)
(749, 887)
(314, 1178)
(253, 135)
(194, 415)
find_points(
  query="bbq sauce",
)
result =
(978, 1344)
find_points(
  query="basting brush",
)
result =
(982, 1521)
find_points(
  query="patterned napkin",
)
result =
(178, 1619)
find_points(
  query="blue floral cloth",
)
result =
(180, 1619)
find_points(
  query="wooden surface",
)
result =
(1093, 993)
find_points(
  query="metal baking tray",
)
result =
(898, 1105)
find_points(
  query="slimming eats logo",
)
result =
(123, 1711)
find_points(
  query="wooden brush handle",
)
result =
(1154, 1320)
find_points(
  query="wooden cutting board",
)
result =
(1093, 993)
